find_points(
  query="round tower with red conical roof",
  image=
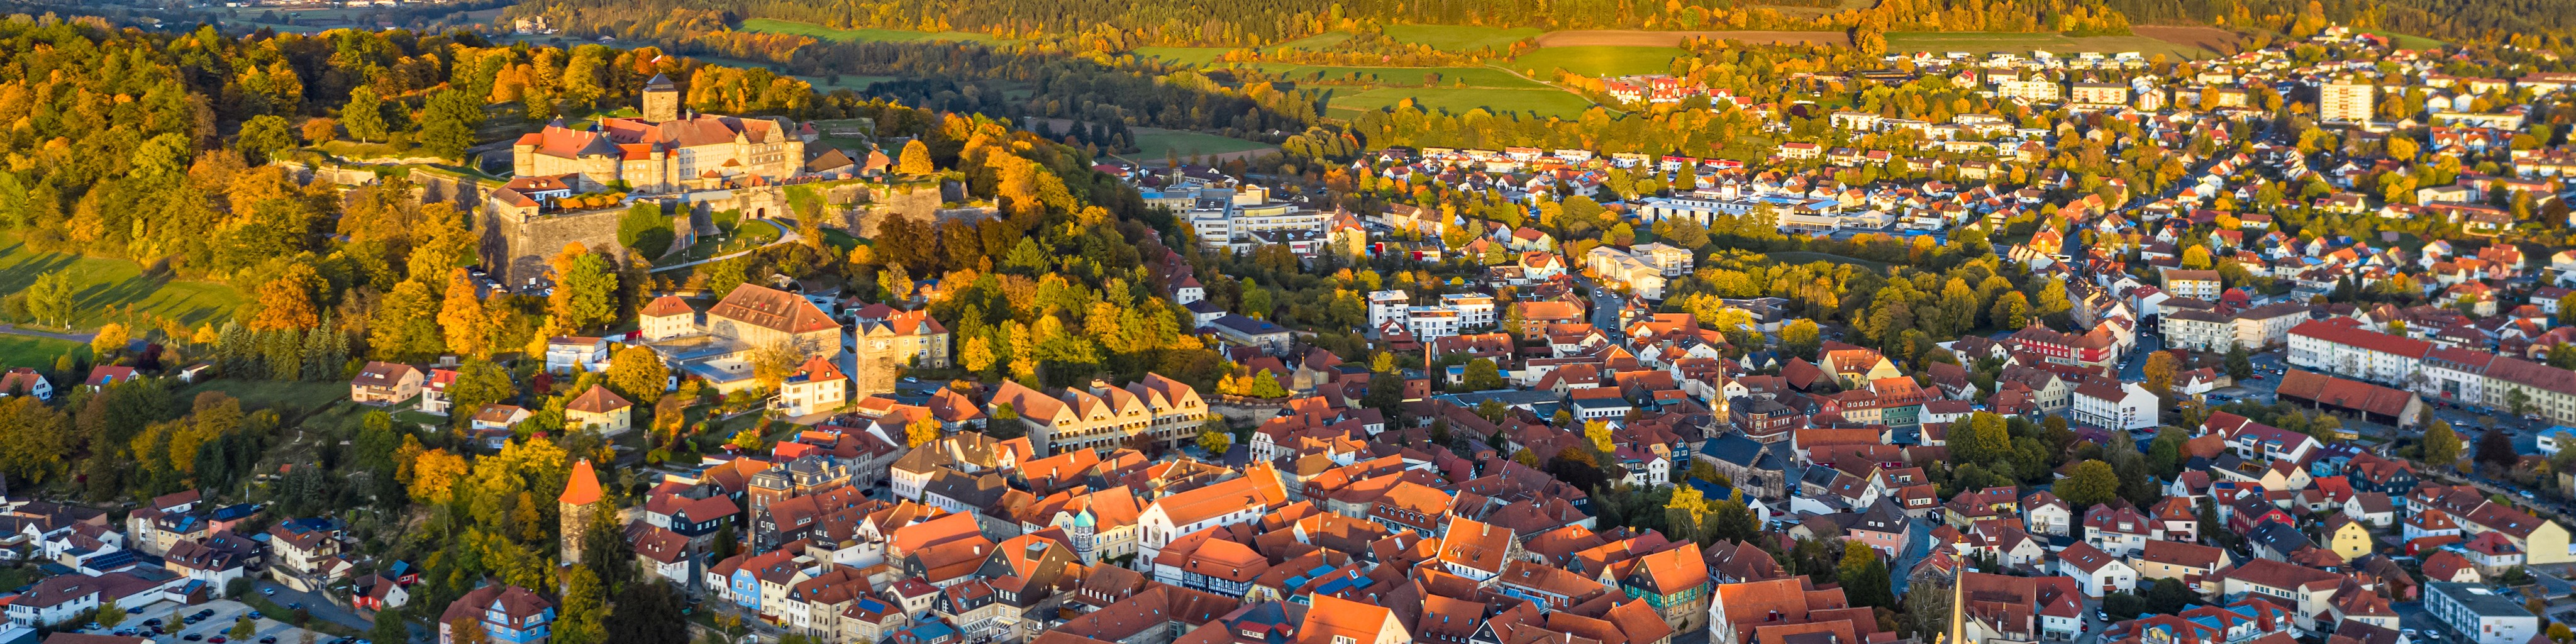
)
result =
(580, 499)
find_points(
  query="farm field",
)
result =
(2209, 38)
(1403, 76)
(1639, 38)
(1156, 144)
(848, 81)
(1457, 38)
(1595, 60)
(1541, 101)
(767, 25)
(1981, 42)
(2406, 41)
(1182, 55)
(99, 285)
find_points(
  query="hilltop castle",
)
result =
(664, 151)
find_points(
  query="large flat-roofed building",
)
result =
(2479, 613)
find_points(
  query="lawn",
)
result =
(1182, 55)
(1453, 38)
(848, 81)
(1981, 42)
(100, 285)
(1402, 76)
(1596, 60)
(766, 25)
(31, 351)
(1544, 102)
(1155, 144)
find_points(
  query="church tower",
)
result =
(580, 499)
(661, 99)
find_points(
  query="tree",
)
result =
(772, 363)
(638, 374)
(1213, 440)
(2092, 483)
(645, 229)
(243, 628)
(461, 318)
(109, 342)
(585, 293)
(1801, 337)
(2240, 364)
(2160, 370)
(915, 159)
(1864, 576)
(2495, 448)
(50, 299)
(750, 440)
(1734, 521)
(585, 607)
(1482, 375)
(265, 135)
(110, 614)
(319, 130)
(644, 615)
(286, 301)
(405, 327)
(447, 124)
(363, 114)
(468, 630)
(2441, 445)
(921, 431)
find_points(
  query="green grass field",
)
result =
(1324, 40)
(1402, 76)
(1980, 42)
(766, 25)
(103, 284)
(2406, 41)
(31, 351)
(1597, 60)
(1182, 55)
(1154, 144)
(1541, 101)
(1453, 38)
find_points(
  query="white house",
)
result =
(2112, 405)
(2097, 572)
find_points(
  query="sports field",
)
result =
(1594, 60)
(1456, 38)
(766, 25)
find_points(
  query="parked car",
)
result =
(195, 637)
(219, 639)
(272, 592)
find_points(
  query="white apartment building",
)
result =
(1672, 260)
(1475, 310)
(1617, 266)
(2354, 353)
(1388, 306)
(2479, 613)
(2034, 90)
(1429, 322)
(2123, 406)
(2344, 102)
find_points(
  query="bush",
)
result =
(646, 229)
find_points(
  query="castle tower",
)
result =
(661, 99)
(580, 499)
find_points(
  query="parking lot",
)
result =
(215, 628)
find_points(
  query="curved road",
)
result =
(786, 235)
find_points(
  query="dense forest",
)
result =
(1125, 24)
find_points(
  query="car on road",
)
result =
(254, 614)
(219, 639)
(272, 592)
(195, 637)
